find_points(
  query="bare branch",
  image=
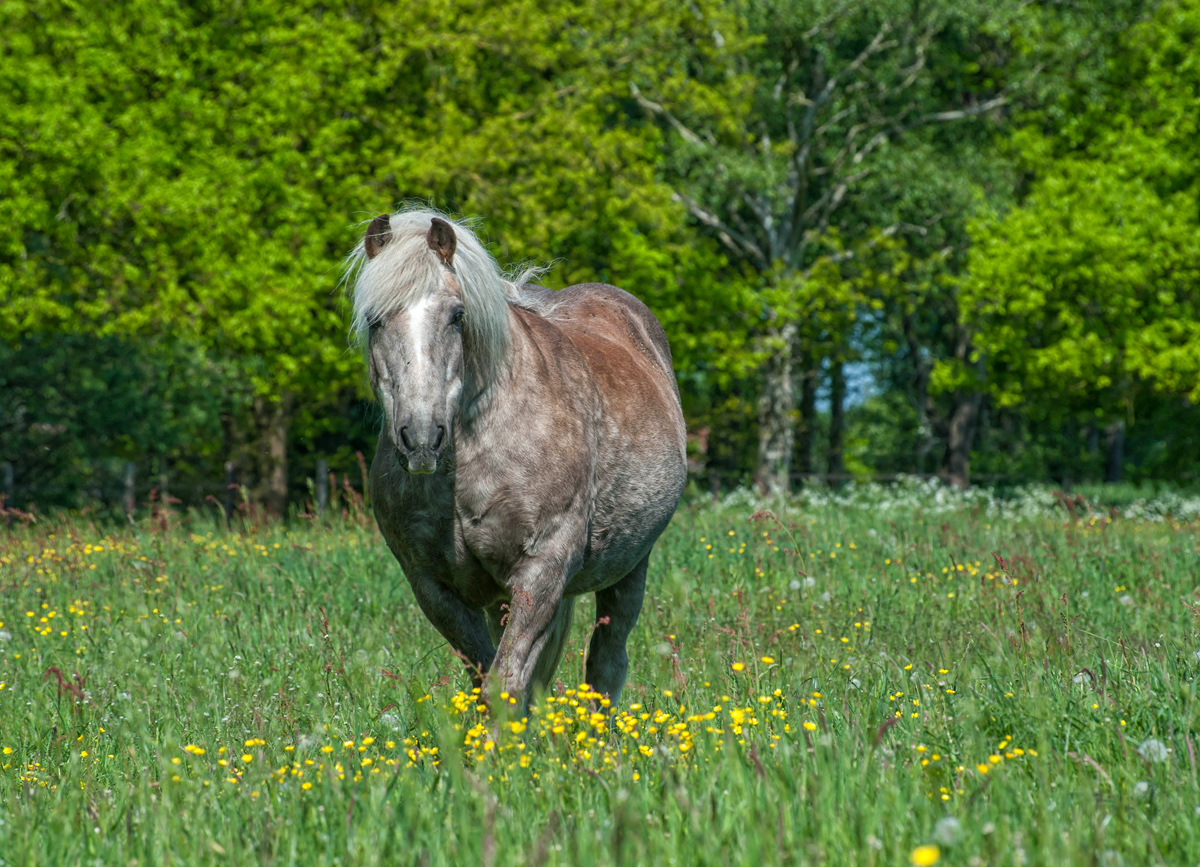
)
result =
(777, 93)
(847, 255)
(959, 114)
(657, 108)
(760, 209)
(909, 76)
(826, 91)
(876, 45)
(827, 20)
(822, 209)
(893, 127)
(835, 118)
(730, 237)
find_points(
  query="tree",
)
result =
(1088, 294)
(832, 89)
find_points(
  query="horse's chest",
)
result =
(430, 541)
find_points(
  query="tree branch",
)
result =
(730, 237)
(657, 108)
(957, 114)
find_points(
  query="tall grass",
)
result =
(839, 680)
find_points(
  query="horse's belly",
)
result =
(624, 529)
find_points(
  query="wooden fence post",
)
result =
(322, 486)
(230, 489)
(162, 482)
(130, 477)
(8, 487)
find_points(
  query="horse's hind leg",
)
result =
(607, 662)
(551, 654)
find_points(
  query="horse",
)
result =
(533, 449)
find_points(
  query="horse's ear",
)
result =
(442, 241)
(378, 234)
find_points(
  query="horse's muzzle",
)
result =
(422, 462)
(422, 449)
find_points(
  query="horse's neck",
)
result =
(476, 411)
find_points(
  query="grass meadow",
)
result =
(879, 677)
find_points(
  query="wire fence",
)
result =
(131, 489)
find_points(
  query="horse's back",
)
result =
(625, 316)
(624, 344)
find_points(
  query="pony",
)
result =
(533, 449)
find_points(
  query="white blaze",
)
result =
(418, 327)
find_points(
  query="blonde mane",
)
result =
(407, 270)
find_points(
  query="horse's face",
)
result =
(416, 361)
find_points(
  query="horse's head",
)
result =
(432, 308)
(415, 352)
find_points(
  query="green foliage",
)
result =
(791, 187)
(1090, 290)
(196, 171)
(66, 399)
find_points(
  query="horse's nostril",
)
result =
(404, 439)
(441, 435)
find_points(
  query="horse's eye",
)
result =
(457, 319)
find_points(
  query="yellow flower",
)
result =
(924, 856)
(737, 666)
(246, 757)
(768, 660)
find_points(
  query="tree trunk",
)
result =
(776, 417)
(1114, 442)
(807, 425)
(961, 437)
(837, 410)
(919, 394)
(272, 451)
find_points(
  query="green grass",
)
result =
(270, 648)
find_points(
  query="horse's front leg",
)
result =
(536, 588)
(464, 627)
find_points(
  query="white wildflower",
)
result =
(947, 830)
(1153, 750)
